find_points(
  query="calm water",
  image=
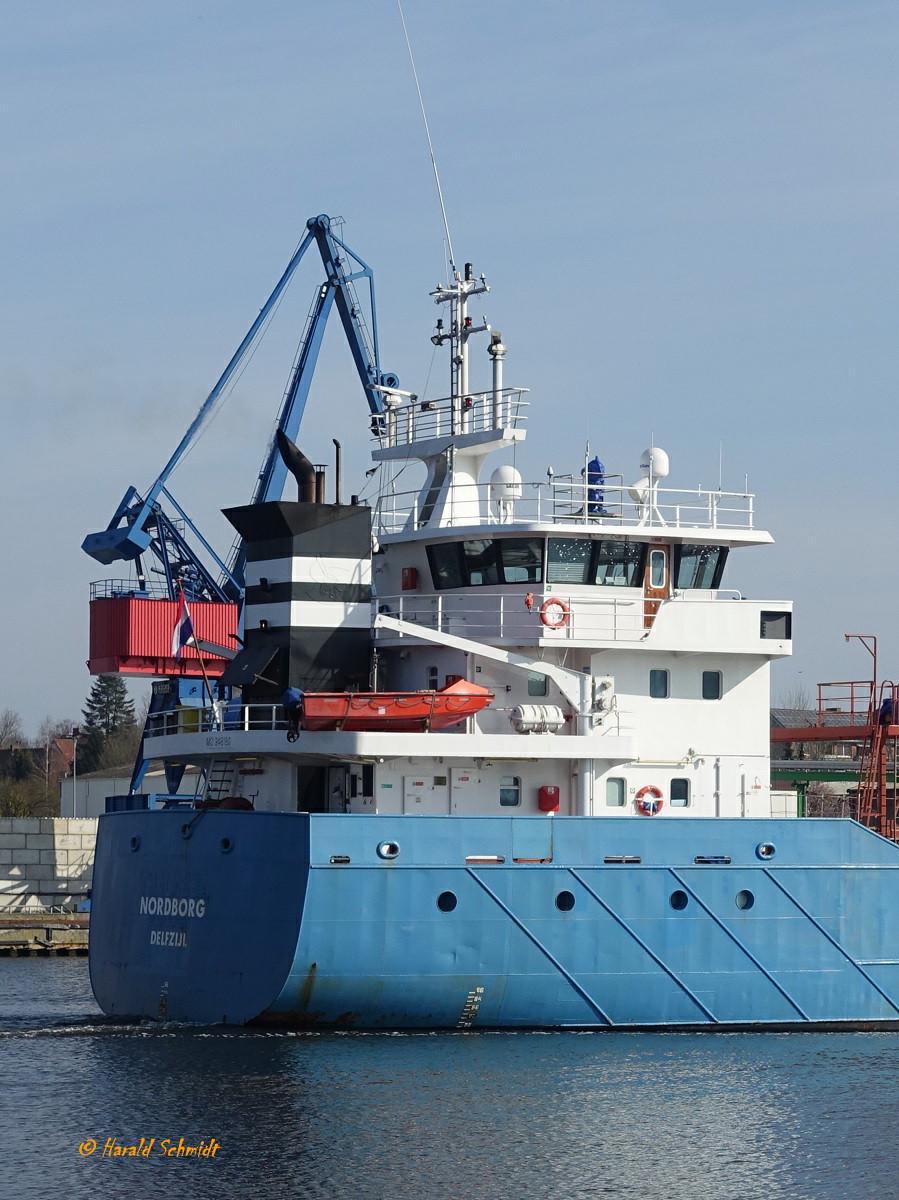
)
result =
(554, 1116)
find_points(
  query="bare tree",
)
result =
(12, 731)
(822, 800)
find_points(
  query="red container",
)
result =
(410, 579)
(133, 636)
(548, 798)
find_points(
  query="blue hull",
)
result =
(235, 917)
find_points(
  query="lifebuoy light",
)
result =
(554, 613)
(649, 800)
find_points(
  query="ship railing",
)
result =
(217, 718)
(114, 589)
(479, 412)
(845, 702)
(566, 501)
(515, 617)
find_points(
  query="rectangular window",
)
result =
(618, 564)
(711, 685)
(582, 560)
(777, 625)
(522, 559)
(433, 679)
(659, 684)
(568, 560)
(481, 565)
(537, 685)
(700, 566)
(680, 793)
(446, 565)
(510, 791)
(615, 793)
(658, 561)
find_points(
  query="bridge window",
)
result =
(586, 560)
(521, 559)
(446, 565)
(486, 562)
(568, 560)
(481, 564)
(618, 563)
(699, 566)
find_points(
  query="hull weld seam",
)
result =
(585, 995)
(644, 947)
(733, 937)
(833, 941)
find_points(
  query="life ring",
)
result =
(553, 604)
(649, 808)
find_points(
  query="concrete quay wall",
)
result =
(45, 861)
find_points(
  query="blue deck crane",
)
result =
(141, 524)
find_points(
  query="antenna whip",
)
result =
(424, 117)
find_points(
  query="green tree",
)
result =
(109, 708)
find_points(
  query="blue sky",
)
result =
(687, 211)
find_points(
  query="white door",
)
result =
(425, 795)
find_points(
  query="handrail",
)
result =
(478, 412)
(574, 502)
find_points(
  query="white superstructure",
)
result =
(626, 679)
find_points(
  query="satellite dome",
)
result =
(654, 463)
(505, 484)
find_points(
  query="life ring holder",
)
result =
(652, 806)
(553, 604)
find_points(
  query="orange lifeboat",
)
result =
(394, 712)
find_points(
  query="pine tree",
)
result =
(109, 708)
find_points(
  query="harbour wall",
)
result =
(45, 861)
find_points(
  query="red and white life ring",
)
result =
(652, 806)
(554, 613)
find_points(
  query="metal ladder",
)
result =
(876, 800)
(221, 776)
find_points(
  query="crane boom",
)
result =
(140, 523)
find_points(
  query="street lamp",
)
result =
(869, 641)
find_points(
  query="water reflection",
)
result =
(429, 1116)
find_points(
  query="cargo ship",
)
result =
(494, 753)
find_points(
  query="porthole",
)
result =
(388, 850)
(227, 845)
(135, 843)
(446, 901)
(565, 901)
(745, 899)
(679, 900)
(765, 850)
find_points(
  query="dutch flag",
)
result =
(184, 628)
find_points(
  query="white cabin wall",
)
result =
(669, 728)
(272, 790)
(473, 787)
(720, 746)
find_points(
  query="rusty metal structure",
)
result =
(863, 715)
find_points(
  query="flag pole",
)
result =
(192, 641)
(215, 715)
